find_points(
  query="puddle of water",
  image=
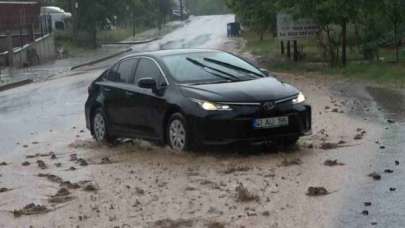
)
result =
(391, 101)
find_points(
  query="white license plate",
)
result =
(271, 122)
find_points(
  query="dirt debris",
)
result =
(215, 225)
(2, 190)
(62, 196)
(235, 169)
(388, 171)
(51, 177)
(3, 163)
(375, 176)
(332, 163)
(41, 164)
(169, 223)
(317, 191)
(290, 162)
(244, 195)
(105, 160)
(329, 146)
(26, 163)
(31, 209)
(82, 162)
(90, 188)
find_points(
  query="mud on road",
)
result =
(65, 179)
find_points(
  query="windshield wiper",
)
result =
(210, 69)
(231, 66)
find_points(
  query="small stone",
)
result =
(317, 191)
(26, 163)
(397, 163)
(388, 171)
(365, 212)
(393, 189)
(42, 164)
(375, 176)
(367, 204)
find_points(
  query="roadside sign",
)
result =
(289, 28)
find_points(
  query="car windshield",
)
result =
(194, 68)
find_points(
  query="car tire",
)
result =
(178, 135)
(100, 129)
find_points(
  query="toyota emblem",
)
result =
(268, 106)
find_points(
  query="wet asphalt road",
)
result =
(57, 104)
(387, 196)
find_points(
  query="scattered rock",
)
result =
(105, 160)
(2, 190)
(266, 213)
(341, 142)
(243, 194)
(365, 212)
(169, 223)
(72, 168)
(291, 162)
(70, 185)
(31, 209)
(382, 147)
(215, 225)
(53, 156)
(58, 165)
(62, 196)
(388, 171)
(235, 169)
(26, 163)
(317, 191)
(90, 188)
(329, 146)
(139, 191)
(390, 121)
(42, 164)
(397, 163)
(367, 204)
(374, 223)
(393, 189)
(35, 143)
(52, 178)
(358, 137)
(375, 176)
(82, 162)
(3, 164)
(333, 163)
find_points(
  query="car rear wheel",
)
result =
(100, 129)
(177, 134)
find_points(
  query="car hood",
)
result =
(264, 89)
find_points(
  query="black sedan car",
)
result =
(186, 98)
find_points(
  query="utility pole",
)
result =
(181, 10)
(75, 14)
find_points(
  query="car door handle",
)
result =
(129, 93)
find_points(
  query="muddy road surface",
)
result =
(53, 174)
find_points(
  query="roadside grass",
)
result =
(384, 71)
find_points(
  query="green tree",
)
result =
(394, 11)
(259, 15)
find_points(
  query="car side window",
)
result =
(148, 69)
(126, 69)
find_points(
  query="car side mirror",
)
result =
(265, 71)
(147, 83)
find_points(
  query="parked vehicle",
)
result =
(57, 16)
(186, 98)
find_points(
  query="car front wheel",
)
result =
(177, 134)
(100, 129)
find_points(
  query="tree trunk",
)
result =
(344, 42)
(396, 42)
(93, 37)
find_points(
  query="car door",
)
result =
(116, 105)
(147, 106)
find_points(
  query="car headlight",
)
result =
(300, 99)
(211, 106)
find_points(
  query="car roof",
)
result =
(163, 53)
